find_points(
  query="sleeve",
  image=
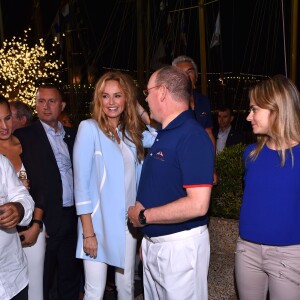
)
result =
(16, 192)
(196, 159)
(83, 159)
(149, 137)
(208, 123)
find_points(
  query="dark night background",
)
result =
(103, 35)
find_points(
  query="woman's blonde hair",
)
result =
(280, 96)
(130, 123)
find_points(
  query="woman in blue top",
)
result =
(268, 249)
(108, 152)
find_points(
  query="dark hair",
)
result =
(4, 101)
(48, 85)
(23, 110)
(177, 82)
(225, 108)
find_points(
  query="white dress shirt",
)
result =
(222, 138)
(13, 263)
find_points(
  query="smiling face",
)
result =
(113, 102)
(5, 122)
(259, 118)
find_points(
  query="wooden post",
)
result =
(37, 19)
(294, 34)
(1, 26)
(202, 48)
(140, 43)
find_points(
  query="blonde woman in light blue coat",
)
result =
(108, 152)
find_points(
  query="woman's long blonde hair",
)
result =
(130, 123)
(280, 96)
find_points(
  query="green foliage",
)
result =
(227, 194)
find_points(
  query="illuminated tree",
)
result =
(23, 67)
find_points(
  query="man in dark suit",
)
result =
(226, 136)
(46, 154)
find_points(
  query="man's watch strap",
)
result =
(142, 218)
(39, 222)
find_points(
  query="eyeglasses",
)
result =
(146, 92)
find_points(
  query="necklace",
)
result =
(112, 136)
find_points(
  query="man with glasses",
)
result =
(47, 156)
(174, 193)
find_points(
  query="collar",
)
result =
(50, 130)
(180, 119)
(225, 131)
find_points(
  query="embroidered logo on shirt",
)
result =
(159, 155)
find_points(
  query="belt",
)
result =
(65, 208)
(181, 235)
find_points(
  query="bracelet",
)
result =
(142, 113)
(87, 237)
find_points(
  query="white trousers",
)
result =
(176, 265)
(96, 273)
(35, 258)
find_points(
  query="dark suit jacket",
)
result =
(233, 137)
(43, 173)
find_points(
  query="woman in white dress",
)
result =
(32, 236)
(108, 153)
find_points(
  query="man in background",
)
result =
(198, 102)
(47, 156)
(225, 135)
(65, 119)
(21, 114)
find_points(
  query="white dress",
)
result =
(35, 257)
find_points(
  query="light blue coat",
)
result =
(99, 189)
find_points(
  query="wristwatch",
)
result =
(39, 222)
(142, 218)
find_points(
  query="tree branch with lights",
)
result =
(24, 66)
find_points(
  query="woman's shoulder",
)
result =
(248, 150)
(15, 141)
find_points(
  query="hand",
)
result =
(90, 246)
(215, 182)
(25, 183)
(133, 214)
(30, 235)
(11, 214)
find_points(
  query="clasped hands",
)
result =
(10, 214)
(133, 214)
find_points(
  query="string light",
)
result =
(23, 66)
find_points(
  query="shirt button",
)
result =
(151, 154)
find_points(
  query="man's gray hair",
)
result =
(177, 81)
(184, 58)
(22, 110)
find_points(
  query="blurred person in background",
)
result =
(21, 114)
(65, 119)
(198, 103)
